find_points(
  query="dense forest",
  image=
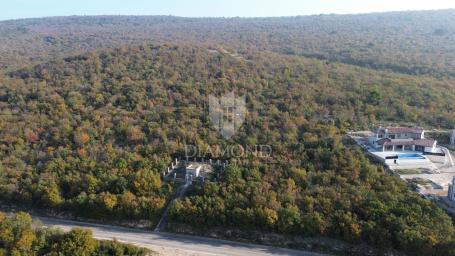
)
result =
(406, 42)
(90, 134)
(20, 235)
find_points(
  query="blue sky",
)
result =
(215, 8)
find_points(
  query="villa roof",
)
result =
(406, 142)
(394, 130)
(425, 142)
(382, 141)
(391, 142)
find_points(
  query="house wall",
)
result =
(409, 148)
(372, 140)
(407, 135)
(430, 149)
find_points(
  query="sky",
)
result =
(15, 9)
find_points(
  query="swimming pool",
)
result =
(410, 156)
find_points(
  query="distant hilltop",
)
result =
(416, 42)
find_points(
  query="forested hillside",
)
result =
(90, 134)
(405, 42)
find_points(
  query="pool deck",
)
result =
(436, 171)
(407, 163)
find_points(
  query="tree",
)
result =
(374, 97)
(232, 173)
(16, 234)
(107, 200)
(81, 137)
(267, 217)
(134, 134)
(51, 196)
(289, 218)
(77, 242)
(146, 182)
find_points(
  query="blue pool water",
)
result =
(410, 156)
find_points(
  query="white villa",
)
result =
(402, 139)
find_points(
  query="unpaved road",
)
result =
(172, 244)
